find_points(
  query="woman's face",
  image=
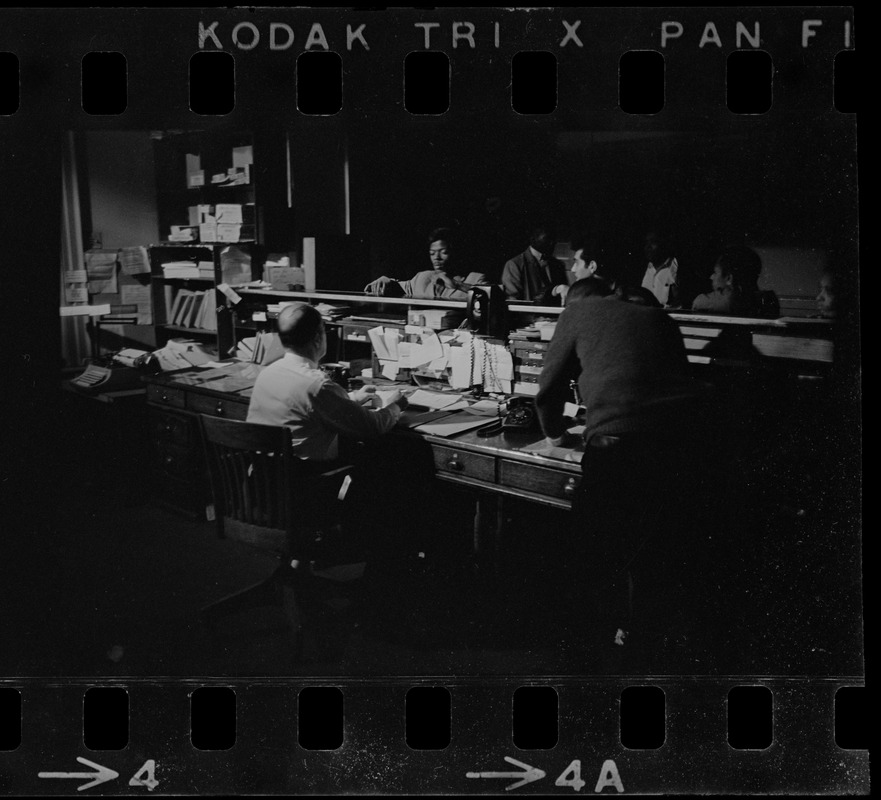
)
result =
(439, 253)
(719, 279)
(581, 268)
(826, 297)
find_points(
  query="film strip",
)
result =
(375, 125)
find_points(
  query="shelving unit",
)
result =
(165, 290)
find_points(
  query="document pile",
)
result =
(180, 270)
(412, 348)
(182, 353)
(264, 348)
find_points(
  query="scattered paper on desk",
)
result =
(576, 430)
(571, 409)
(454, 424)
(391, 338)
(484, 408)
(543, 448)
(427, 350)
(435, 400)
(218, 364)
(389, 369)
(404, 355)
(412, 418)
(379, 345)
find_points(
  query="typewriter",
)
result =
(108, 374)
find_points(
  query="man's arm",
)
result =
(560, 366)
(512, 280)
(350, 418)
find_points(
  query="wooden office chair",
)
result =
(268, 498)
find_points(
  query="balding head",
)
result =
(300, 327)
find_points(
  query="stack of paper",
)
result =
(180, 269)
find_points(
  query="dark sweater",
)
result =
(631, 367)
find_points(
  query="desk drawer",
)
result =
(461, 462)
(165, 396)
(550, 482)
(173, 428)
(175, 460)
(217, 406)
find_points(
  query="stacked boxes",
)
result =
(528, 361)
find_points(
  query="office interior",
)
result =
(109, 581)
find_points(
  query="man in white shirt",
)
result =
(661, 274)
(294, 392)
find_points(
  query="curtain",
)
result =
(75, 345)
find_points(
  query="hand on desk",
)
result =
(364, 395)
(378, 286)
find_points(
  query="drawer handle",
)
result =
(570, 487)
(455, 465)
(168, 428)
(164, 397)
(219, 409)
(169, 460)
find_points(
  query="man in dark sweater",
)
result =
(644, 441)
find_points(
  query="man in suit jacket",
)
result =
(535, 275)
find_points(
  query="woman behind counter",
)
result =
(440, 283)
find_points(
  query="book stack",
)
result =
(194, 310)
(180, 269)
(206, 270)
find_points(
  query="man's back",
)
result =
(632, 362)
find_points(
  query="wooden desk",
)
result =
(494, 464)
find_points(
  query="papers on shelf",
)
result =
(84, 311)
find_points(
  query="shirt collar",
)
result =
(299, 360)
(535, 254)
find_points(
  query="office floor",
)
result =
(115, 590)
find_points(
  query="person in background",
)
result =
(535, 275)
(735, 286)
(834, 296)
(445, 281)
(662, 272)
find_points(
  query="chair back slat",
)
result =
(254, 476)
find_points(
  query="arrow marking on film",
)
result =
(529, 774)
(103, 774)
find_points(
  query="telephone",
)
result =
(521, 415)
(487, 311)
